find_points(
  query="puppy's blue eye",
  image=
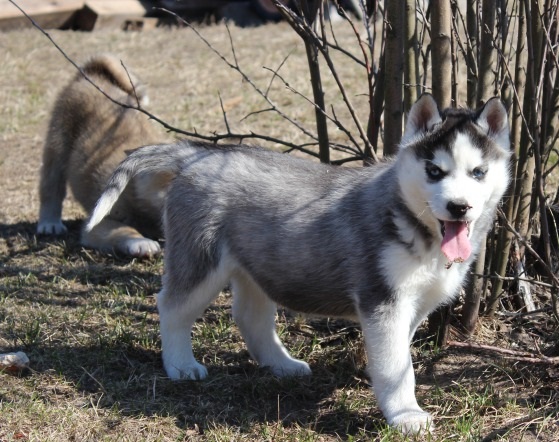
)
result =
(478, 173)
(434, 172)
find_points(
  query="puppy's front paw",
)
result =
(51, 228)
(194, 371)
(140, 247)
(413, 422)
(291, 367)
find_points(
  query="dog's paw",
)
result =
(141, 247)
(413, 422)
(51, 228)
(194, 372)
(289, 368)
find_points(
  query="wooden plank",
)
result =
(47, 14)
(116, 7)
(184, 5)
(123, 14)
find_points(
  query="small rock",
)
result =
(14, 362)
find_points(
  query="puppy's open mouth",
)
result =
(456, 244)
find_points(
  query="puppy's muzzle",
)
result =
(458, 209)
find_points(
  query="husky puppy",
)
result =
(384, 245)
(88, 137)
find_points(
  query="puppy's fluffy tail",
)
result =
(148, 159)
(115, 72)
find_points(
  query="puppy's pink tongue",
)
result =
(456, 244)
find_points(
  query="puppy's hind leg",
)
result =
(254, 313)
(178, 310)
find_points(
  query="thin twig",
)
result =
(235, 66)
(308, 34)
(275, 71)
(550, 274)
(512, 279)
(333, 118)
(138, 104)
(508, 353)
(223, 112)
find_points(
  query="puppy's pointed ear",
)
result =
(493, 119)
(423, 116)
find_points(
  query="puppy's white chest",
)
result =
(427, 279)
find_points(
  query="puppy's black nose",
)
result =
(457, 209)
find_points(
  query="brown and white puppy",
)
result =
(88, 136)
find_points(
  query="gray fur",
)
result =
(319, 239)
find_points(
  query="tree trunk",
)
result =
(526, 162)
(505, 237)
(442, 87)
(442, 52)
(394, 71)
(318, 95)
(471, 51)
(411, 57)
(486, 88)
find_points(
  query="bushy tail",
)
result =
(152, 159)
(113, 70)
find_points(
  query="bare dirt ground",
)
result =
(88, 321)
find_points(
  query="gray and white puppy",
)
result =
(384, 245)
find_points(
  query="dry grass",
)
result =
(88, 321)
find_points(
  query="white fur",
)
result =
(391, 371)
(141, 247)
(51, 227)
(255, 314)
(177, 320)
(102, 209)
(50, 218)
(429, 200)
(420, 284)
(422, 281)
(254, 207)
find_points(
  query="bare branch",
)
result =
(549, 272)
(333, 119)
(507, 353)
(275, 73)
(235, 66)
(224, 113)
(132, 84)
(307, 33)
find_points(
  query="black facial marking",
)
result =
(443, 135)
(434, 172)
